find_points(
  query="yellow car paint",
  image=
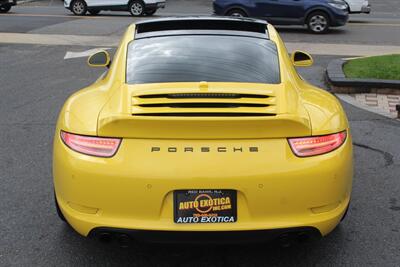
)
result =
(134, 188)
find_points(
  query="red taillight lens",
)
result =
(89, 145)
(316, 145)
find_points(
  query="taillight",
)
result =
(89, 145)
(316, 145)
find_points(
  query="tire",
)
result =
(59, 213)
(150, 12)
(94, 12)
(137, 8)
(345, 213)
(236, 13)
(79, 7)
(5, 8)
(318, 22)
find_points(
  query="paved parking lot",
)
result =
(36, 80)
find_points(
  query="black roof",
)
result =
(201, 25)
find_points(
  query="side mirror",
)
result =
(301, 59)
(99, 59)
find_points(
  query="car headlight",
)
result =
(338, 4)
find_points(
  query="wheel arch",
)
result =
(233, 7)
(73, 1)
(131, 1)
(317, 9)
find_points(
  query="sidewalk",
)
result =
(382, 104)
(112, 40)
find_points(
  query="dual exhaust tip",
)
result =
(285, 240)
(123, 239)
(289, 239)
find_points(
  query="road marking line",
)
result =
(59, 39)
(112, 41)
(373, 24)
(59, 16)
(86, 53)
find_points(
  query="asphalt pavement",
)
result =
(35, 82)
(42, 22)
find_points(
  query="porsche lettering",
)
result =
(220, 149)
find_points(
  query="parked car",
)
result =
(136, 7)
(202, 130)
(5, 5)
(359, 6)
(318, 15)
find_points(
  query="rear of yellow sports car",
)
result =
(134, 157)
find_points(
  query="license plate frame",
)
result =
(194, 206)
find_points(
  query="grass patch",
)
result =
(381, 67)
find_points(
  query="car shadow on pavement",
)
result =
(144, 254)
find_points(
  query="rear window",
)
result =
(195, 58)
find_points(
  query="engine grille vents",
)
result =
(204, 105)
(204, 95)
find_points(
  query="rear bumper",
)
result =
(124, 236)
(134, 189)
(67, 4)
(366, 9)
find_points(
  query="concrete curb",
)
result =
(340, 84)
(26, 1)
(342, 87)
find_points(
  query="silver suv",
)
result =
(136, 7)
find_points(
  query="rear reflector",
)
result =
(89, 145)
(316, 145)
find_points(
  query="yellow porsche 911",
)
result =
(202, 130)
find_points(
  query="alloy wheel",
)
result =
(237, 14)
(136, 9)
(318, 23)
(79, 7)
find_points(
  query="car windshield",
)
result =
(195, 58)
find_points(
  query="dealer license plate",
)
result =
(205, 206)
